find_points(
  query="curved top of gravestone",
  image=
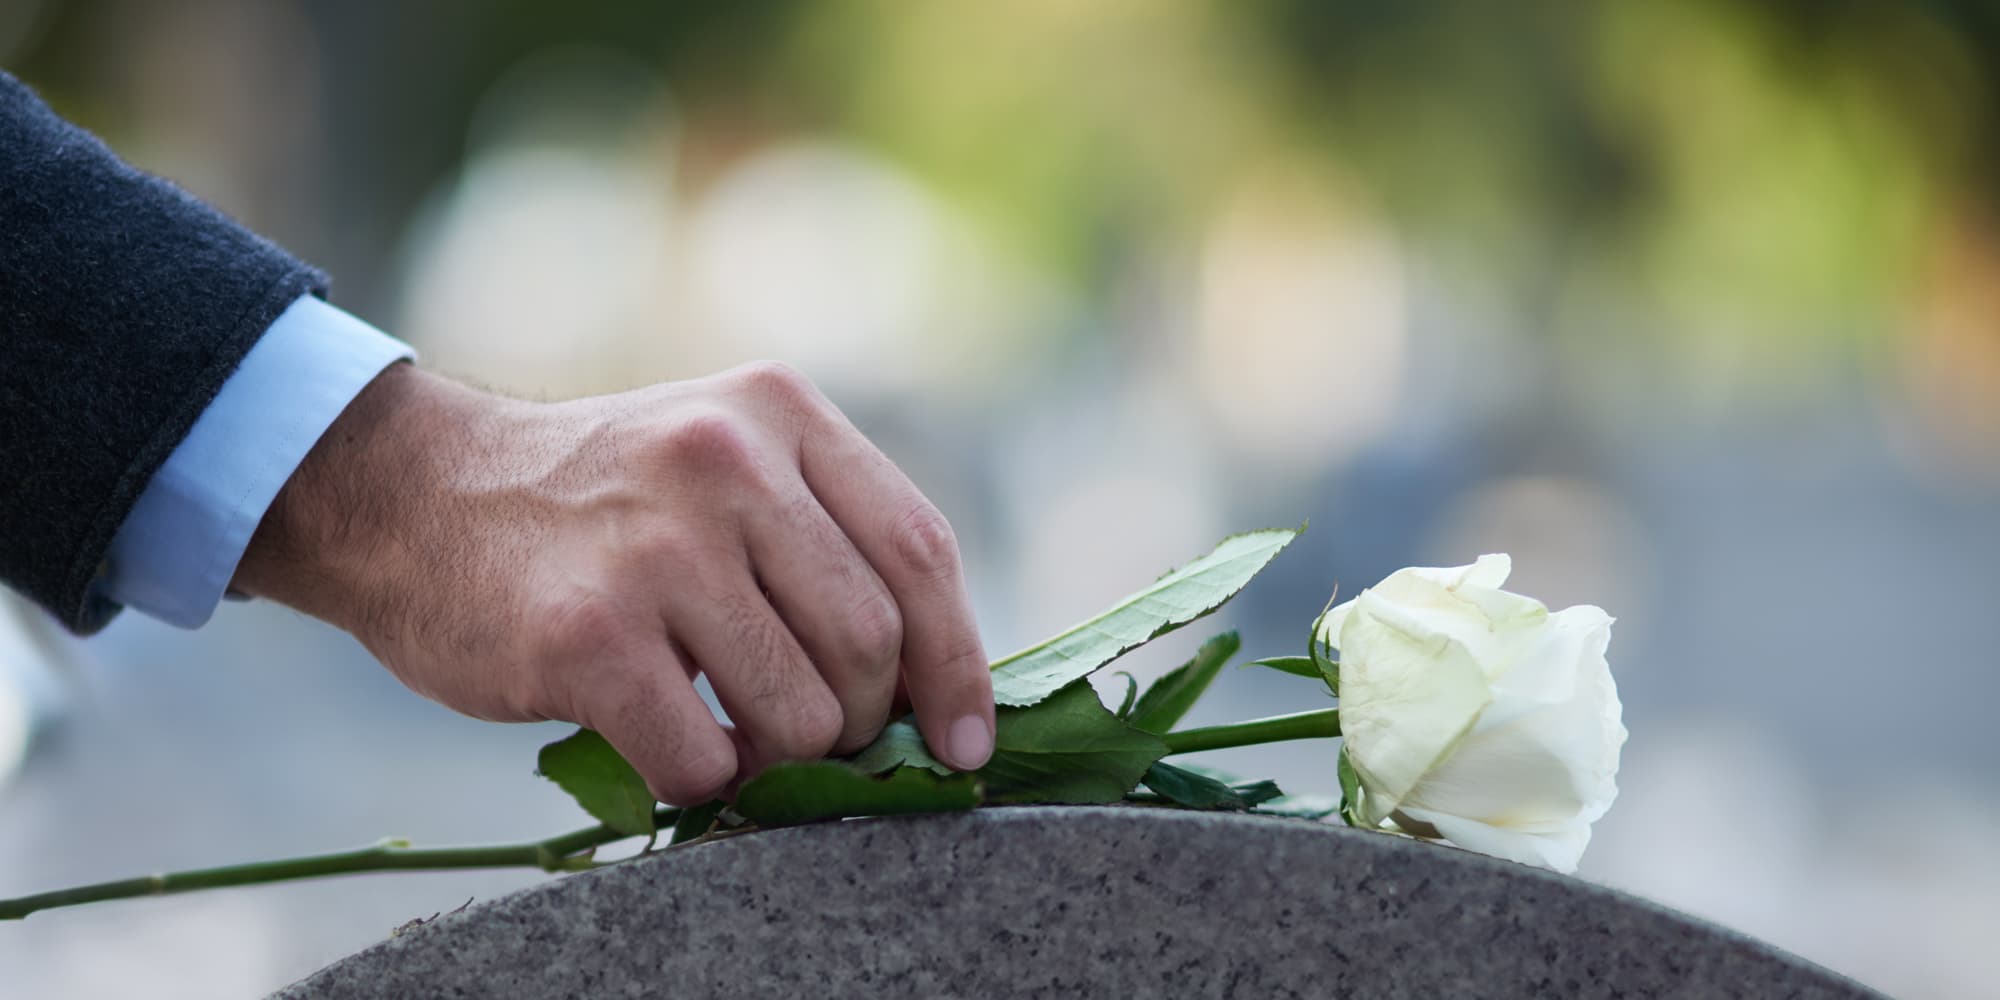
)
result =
(1068, 901)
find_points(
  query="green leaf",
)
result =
(1321, 653)
(1350, 788)
(1131, 694)
(1257, 793)
(1170, 697)
(1195, 791)
(1317, 666)
(1069, 748)
(696, 820)
(1210, 771)
(1297, 666)
(600, 781)
(1329, 670)
(803, 791)
(1173, 600)
(900, 744)
(1250, 793)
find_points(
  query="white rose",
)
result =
(1476, 715)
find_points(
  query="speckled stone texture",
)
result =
(1067, 902)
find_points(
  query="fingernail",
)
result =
(971, 743)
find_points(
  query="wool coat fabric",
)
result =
(124, 304)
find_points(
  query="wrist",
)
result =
(329, 544)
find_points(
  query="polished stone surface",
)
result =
(1064, 902)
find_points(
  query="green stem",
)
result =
(555, 854)
(1322, 724)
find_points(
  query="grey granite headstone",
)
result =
(1066, 902)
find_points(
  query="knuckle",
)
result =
(774, 378)
(709, 442)
(656, 545)
(862, 730)
(579, 629)
(689, 542)
(966, 658)
(875, 634)
(615, 701)
(925, 543)
(780, 391)
(809, 729)
(693, 779)
(680, 767)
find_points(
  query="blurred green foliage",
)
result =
(1775, 172)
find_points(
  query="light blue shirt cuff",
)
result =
(176, 552)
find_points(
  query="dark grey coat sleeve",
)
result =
(124, 305)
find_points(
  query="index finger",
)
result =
(912, 548)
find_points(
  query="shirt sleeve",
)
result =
(174, 555)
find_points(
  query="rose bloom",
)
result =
(1478, 716)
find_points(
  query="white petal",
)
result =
(1489, 571)
(1459, 602)
(1407, 696)
(1505, 776)
(1478, 711)
(1558, 849)
(1536, 767)
(1588, 730)
(1437, 587)
(1545, 661)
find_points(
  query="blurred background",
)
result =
(1694, 308)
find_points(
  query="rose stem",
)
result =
(556, 854)
(1322, 724)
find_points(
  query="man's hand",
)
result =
(585, 560)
